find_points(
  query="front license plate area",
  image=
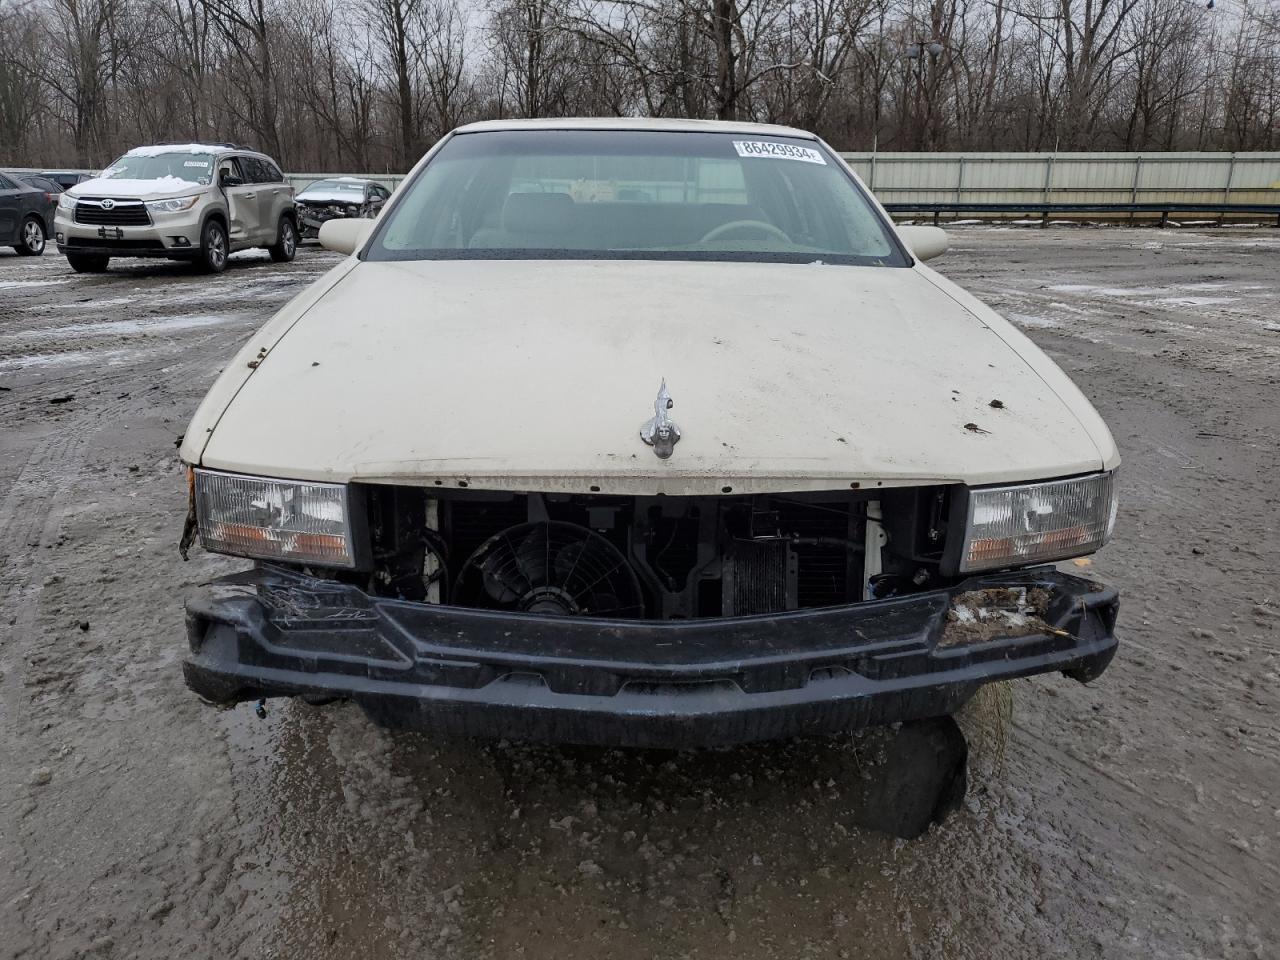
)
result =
(110, 233)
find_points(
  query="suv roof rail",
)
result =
(205, 143)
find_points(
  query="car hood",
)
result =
(539, 374)
(161, 188)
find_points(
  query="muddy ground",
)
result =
(1135, 817)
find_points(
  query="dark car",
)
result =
(336, 198)
(26, 213)
(41, 182)
(66, 179)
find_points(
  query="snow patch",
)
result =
(1106, 291)
(62, 359)
(133, 189)
(163, 324)
(87, 304)
(15, 284)
(1031, 320)
(1190, 301)
(175, 148)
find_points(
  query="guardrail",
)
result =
(1094, 178)
(1106, 210)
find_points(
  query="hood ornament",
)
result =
(660, 431)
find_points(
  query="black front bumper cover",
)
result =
(273, 632)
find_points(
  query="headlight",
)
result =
(172, 206)
(66, 201)
(1037, 522)
(275, 519)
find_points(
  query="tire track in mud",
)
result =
(1107, 832)
(1183, 742)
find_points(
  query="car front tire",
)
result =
(87, 262)
(31, 240)
(286, 246)
(213, 248)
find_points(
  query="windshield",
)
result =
(195, 167)
(329, 187)
(590, 194)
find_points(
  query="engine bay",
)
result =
(659, 558)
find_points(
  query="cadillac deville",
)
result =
(648, 433)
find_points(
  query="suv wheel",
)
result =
(31, 240)
(286, 245)
(87, 262)
(213, 248)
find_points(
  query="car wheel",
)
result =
(87, 262)
(31, 240)
(213, 248)
(286, 245)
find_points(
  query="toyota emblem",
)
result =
(108, 204)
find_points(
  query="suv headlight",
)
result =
(275, 519)
(66, 201)
(172, 206)
(1037, 522)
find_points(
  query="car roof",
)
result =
(639, 123)
(217, 149)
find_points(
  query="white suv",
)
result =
(198, 202)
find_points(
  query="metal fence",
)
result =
(995, 184)
(1079, 178)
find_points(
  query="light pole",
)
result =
(924, 55)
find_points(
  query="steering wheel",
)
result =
(715, 233)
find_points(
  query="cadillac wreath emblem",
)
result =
(660, 431)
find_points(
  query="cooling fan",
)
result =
(553, 568)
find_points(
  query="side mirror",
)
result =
(228, 180)
(925, 243)
(345, 235)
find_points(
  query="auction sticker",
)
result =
(772, 150)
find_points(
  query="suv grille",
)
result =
(124, 213)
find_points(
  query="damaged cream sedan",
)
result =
(642, 432)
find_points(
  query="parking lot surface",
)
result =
(1135, 817)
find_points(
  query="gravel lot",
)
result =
(1136, 817)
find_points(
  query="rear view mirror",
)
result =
(925, 243)
(345, 235)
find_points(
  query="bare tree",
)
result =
(441, 52)
(532, 56)
(246, 29)
(81, 54)
(23, 49)
(326, 84)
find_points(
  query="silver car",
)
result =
(338, 197)
(197, 202)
